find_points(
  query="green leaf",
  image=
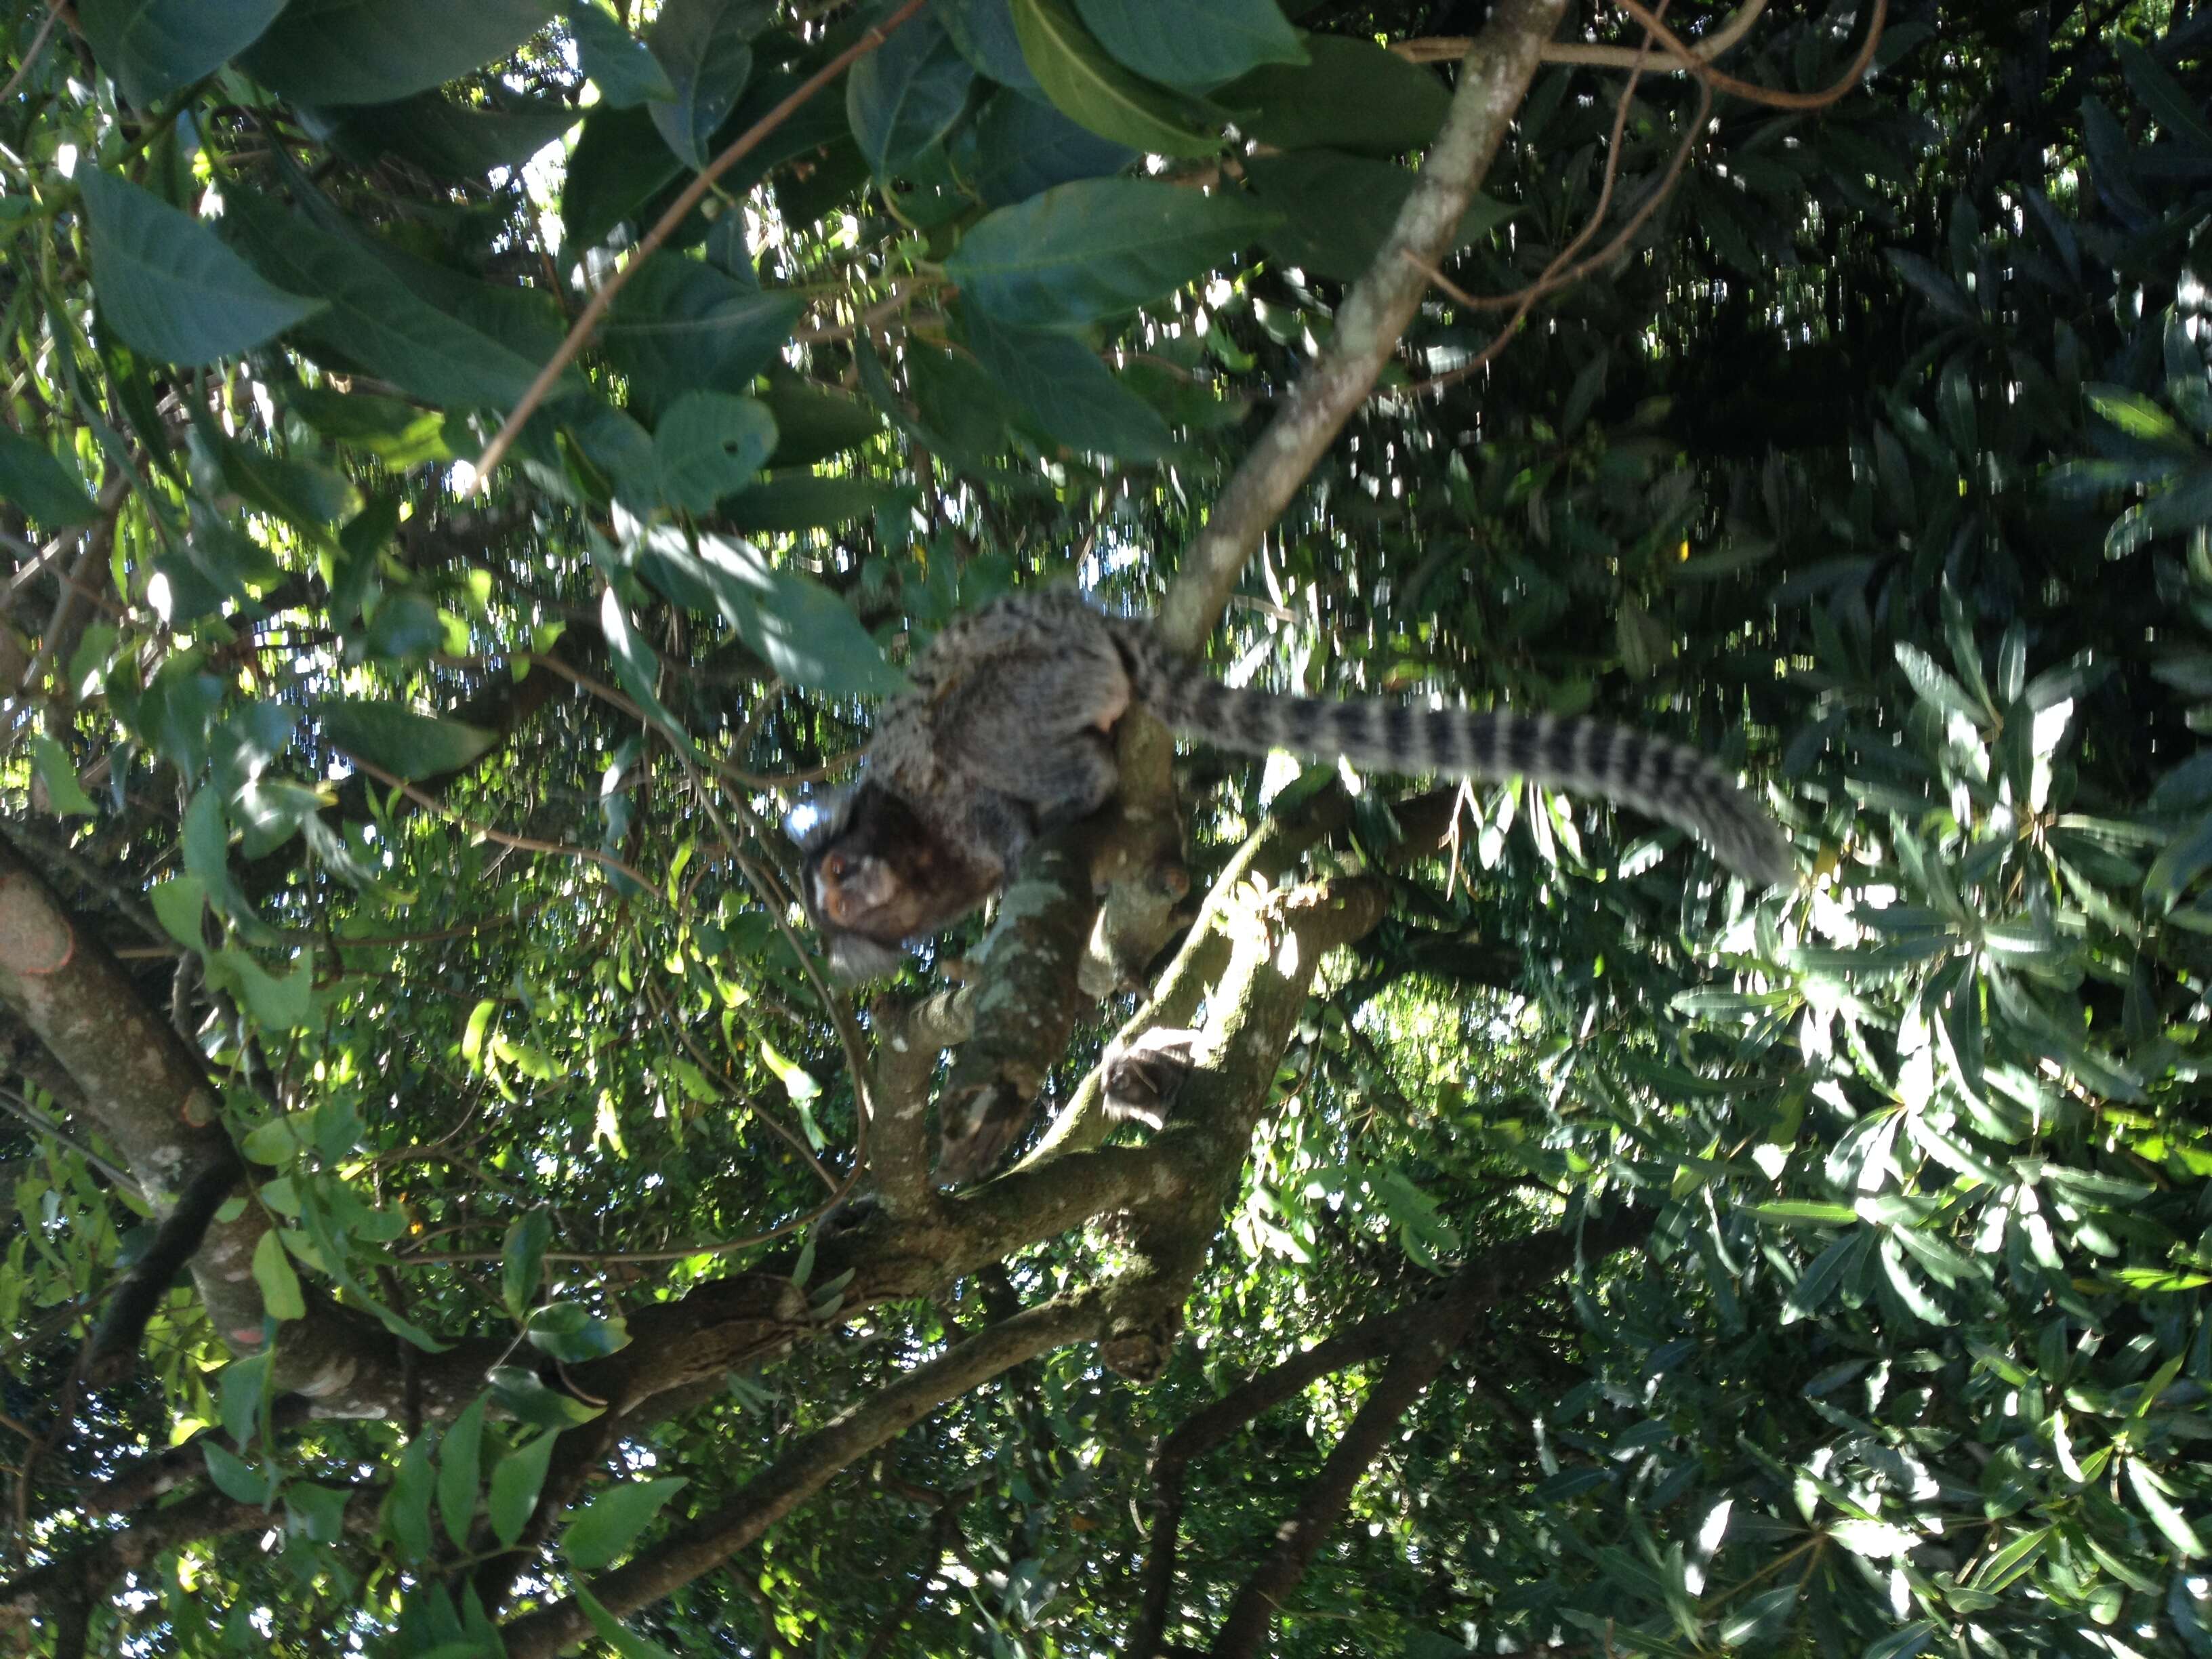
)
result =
(1096, 248)
(710, 445)
(376, 51)
(522, 1261)
(1820, 1280)
(1352, 94)
(516, 1481)
(1933, 685)
(152, 47)
(1334, 211)
(452, 140)
(392, 429)
(683, 325)
(245, 1393)
(234, 1477)
(1800, 1213)
(407, 1505)
(804, 632)
(39, 486)
(169, 287)
(572, 1333)
(1023, 145)
(1879, 1540)
(65, 796)
(525, 1397)
(2138, 417)
(1899, 1643)
(2171, 104)
(280, 1285)
(375, 320)
(704, 47)
(625, 1644)
(2150, 1492)
(310, 498)
(1073, 397)
(609, 1523)
(620, 65)
(619, 161)
(984, 32)
(1093, 90)
(281, 1139)
(804, 503)
(813, 422)
(180, 905)
(905, 95)
(318, 1511)
(405, 744)
(1193, 43)
(2183, 859)
(635, 665)
(460, 1472)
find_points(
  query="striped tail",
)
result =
(1668, 780)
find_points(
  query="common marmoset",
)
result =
(1007, 733)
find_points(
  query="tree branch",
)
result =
(1419, 1339)
(1493, 81)
(809, 1466)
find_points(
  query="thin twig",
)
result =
(841, 1014)
(521, 843)
(31, 52)
(1451, 48)
(1673, 45)
(1525, 301)
(588, 319)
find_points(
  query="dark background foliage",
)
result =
(426, 826)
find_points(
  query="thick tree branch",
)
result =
(139, 1082)
(809, 1466)
(1420, 1341)
(1492, 82)
(1026, 995)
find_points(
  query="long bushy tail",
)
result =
(1669, 780)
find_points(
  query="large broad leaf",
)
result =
(376, 321)
(625, 1644)
(1353, 95)
(619, 161)
(984, 32)
(812, 422)
(152, 47)
(905, 95)
(515, 1480)
(38, 486)
(400, 741)
(612, 1519)
(1018, 146)
(376, 51)
(1097, 248)
(681, 325)
(169, 287)
(1073, 397)
(804, 632)
(705, 48)
(818, 122)
(1079, 76)
(1337, 209)
(450, 140)
(1193, 43)
(711, 444)
(804, 503)
(620, 65)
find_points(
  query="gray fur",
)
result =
(1007, 733)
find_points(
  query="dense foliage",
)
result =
(469, 469)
